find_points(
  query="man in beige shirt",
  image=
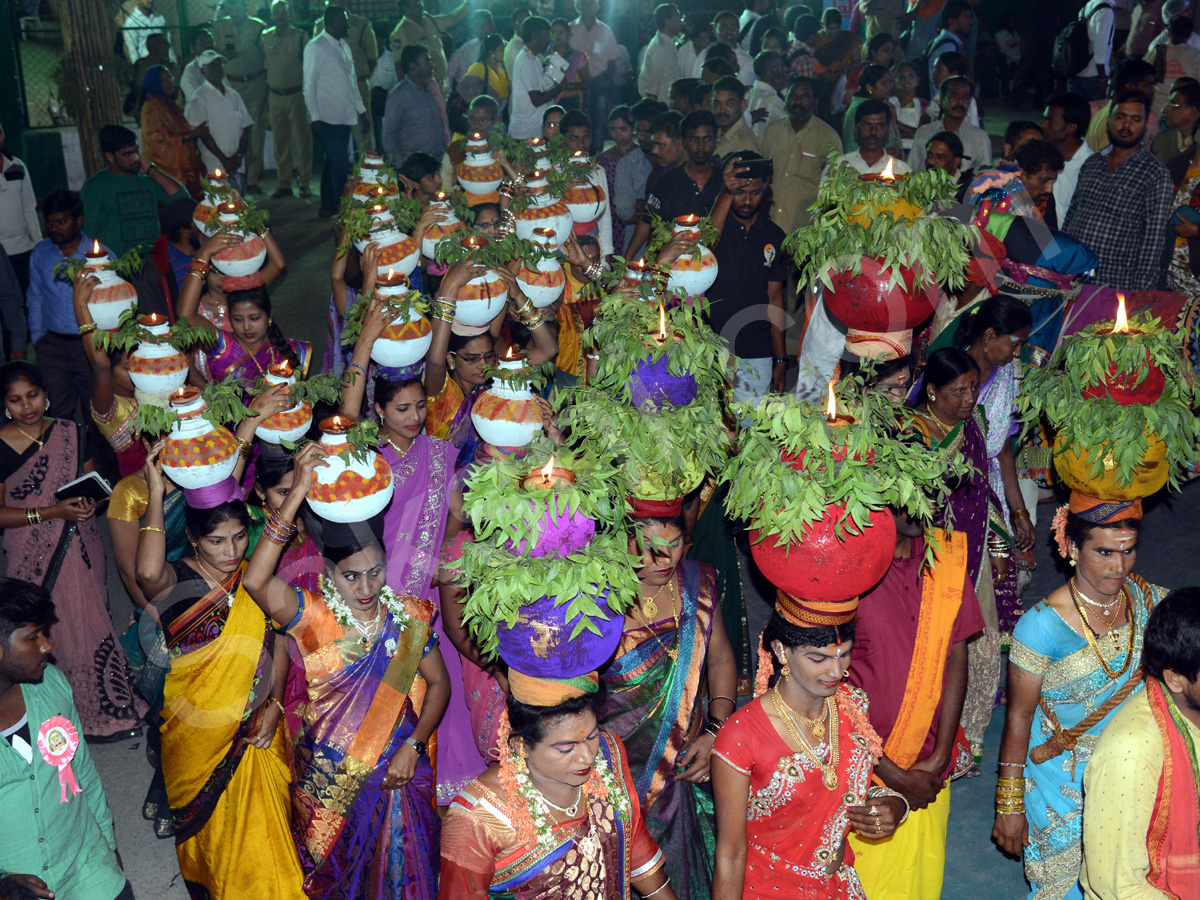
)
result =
(283, 47)
(418, 28)
(364, 48)
(238, 38)
(800, 147)
(729, 108)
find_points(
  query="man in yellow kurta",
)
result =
(800, 146)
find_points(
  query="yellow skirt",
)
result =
(911, 863)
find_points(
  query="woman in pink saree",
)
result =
(56, 544)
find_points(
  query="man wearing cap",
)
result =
(229, 121)
(238, 37)
(910, 656)
(167, 265)
(283, 47)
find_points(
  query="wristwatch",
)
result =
(419, 746)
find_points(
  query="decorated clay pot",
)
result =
(1076, 473)
(865, 301)
(481, 299)
(1125, 388)
(438, 230)
(823, 567)
(651, 384)
(544, 283)
(291, 424)
(479, 173)
(541, 154)
(197, 453)
(348, 490)
(693, 275)
(588, 201)
(540, 642)
(546, 212)
(112, 296)
(157, 367)
(406, 340)
(507, 416)
(218, 192)
(397, 251)
(560, 533)
(242, 259)
(376, 184)
(884, 203)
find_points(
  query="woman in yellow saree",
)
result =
(224, 752)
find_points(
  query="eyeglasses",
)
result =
(1174, 106)
(472, 358)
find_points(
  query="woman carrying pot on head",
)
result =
(413, 526)
(363, 792)
(1075, 657)
(224, 747)
(254, 342)
(673, 650)
(559, 815)
(792, 770)
(56, 544)
(948, 415)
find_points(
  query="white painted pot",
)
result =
(242, 259)
(349, 491)
(291, 424)
(693, 276)
(197, 453)
(543, 284)
(112, 296)
(157, 368)
(438, 230)
(504, 416)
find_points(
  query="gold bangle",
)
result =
(1021, 514)
(88, 328)
(161, 531)
(245, 448)
(280, 705)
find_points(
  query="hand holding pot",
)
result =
(222, 240)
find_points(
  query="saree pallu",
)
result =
(357, 841)
(301, 566)
(229, 800)
(67, 559)
(163, 128)
(1172, 842)
(229, 359)
(593, 857)
(117, 427)
(413, 526)
(795, 826)
(652, 704)
(998, 397)
(1073, 685)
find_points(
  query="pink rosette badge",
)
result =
(58, 740)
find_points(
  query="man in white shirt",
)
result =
(660, 65)
(515, 44)
(765, 103)
(591, 36)
(872, 119)
(755, 10)
(532, 87)
(1065, 126)
(468, 54)
(334, 103)
(955, 96)
(726, 27)
(140, 24)
(1101, 27)
(229, 121)
(192, 77)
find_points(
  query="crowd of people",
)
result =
(321, 722)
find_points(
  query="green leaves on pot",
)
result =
(662, 230)
(357, 222)
(450, 250)
(182, 335)
(876, 461)
(128, 265)
(400, 306)
(855, 218)
(324, 388)
(223, 400)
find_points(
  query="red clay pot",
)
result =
(865, 301)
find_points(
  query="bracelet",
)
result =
(507, 224)
(282, 711)
(1014, 765)
(712, 700)
(161, 531)
(656, 890)
(33, 516)
(879, 791)
(244, 448)
(279, 530)
(88, 328)
(775, 360)
(535, 321)
(354, 365)
(199, 265)
(1021, 514)
(592, 272)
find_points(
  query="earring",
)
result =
(47, 404)
(7, 414)
(1072, 562)
(785, 671)
(846, 674)
(932, 396)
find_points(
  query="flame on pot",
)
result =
(508, 353)
(662, 323)
(95, 252)
(548, 469)
(281, 370)
(217, 173)
(831, 405)
(441, 196)
(887, 174)
(1121, 325)
(476, 136)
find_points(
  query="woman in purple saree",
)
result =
(365, 824)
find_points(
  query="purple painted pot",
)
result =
(540, 643)
(560, 534)
(651, 383)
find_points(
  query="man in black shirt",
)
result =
(690, 189)
(747, 298)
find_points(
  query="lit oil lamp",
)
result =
(691, 220)
(217, 173)
(661, 336)
(1121, 323)
(547, 477)
(281, 370)
(474, 242)
(183, 396)
(441, 197)
(337, 425)
(97, 252)
(476, 136)
(835, 421)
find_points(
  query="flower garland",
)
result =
(391, 602)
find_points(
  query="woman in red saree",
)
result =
(792, 770)
(56, 544)
(224, 748)
(168, 139)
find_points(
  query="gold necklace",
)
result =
(1091, 635)
(829, 775)
(216, 581)
(817, 725)
(672, 651)
(946, 427)
(651, 606)
(35, 440)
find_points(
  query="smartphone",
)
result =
(755, 168)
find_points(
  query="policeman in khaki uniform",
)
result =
(365, 50)
(283, 46)
(238, 38)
